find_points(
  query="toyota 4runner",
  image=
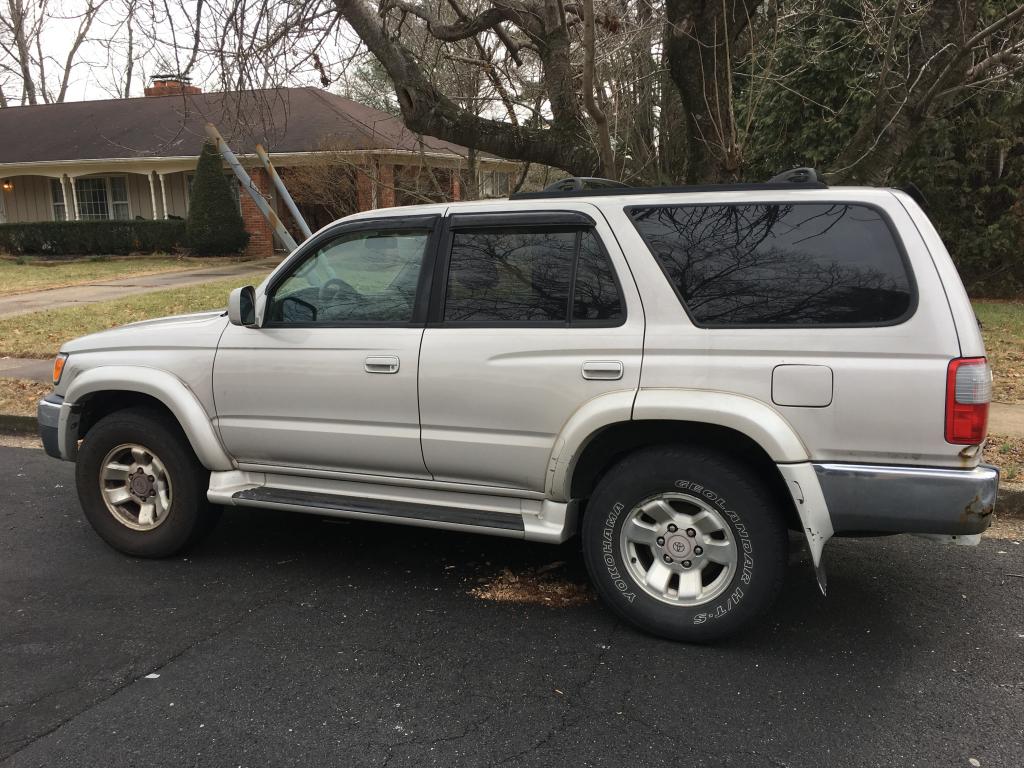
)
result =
(680, 377)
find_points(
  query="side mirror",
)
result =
(242, 307)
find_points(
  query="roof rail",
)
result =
(576, 183)
(797, 176)
(585, 186)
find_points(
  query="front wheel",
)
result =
(684, 544)
(141, 487)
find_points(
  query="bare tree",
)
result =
(929, 56)
(644, 90)
(25, 57)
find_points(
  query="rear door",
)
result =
(532, 315)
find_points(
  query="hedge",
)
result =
(88, 238)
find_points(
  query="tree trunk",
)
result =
(604, 142)
(673, 136)
(699, 41)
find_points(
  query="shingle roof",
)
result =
(282, 119)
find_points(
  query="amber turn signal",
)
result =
(58, 367)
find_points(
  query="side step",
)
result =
(397, 511)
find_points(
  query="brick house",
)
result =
(135, 158)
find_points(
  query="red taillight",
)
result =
(968, 393)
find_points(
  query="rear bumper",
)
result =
(48, 416)
(864, 498)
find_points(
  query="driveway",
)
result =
(288, 640)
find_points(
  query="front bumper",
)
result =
(866, 498)
(48, 416)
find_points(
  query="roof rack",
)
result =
(588, 186)
(576, 183)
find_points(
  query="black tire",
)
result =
(189, 515)
(757, 527)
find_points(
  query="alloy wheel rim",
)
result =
(679, 549)
(135, 487)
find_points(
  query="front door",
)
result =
(329, 380)
(534, 315)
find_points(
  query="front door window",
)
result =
(360, 277)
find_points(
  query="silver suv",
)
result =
(680, 377)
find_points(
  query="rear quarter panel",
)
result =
(888, 399)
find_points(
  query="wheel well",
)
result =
(99, 404)
(614, 442)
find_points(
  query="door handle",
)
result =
(602, 370)
(381, 364)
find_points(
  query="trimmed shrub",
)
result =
(215, 224)
(92, 238)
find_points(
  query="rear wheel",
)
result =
(684, 544)
(140, 485)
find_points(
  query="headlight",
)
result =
(58, 367)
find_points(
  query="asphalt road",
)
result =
(286, 640)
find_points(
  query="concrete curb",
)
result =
(21, 424)
(1010, 501)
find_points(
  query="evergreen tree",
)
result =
(215, 225)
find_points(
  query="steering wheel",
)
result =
(336, 289)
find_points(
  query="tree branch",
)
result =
(428, 111)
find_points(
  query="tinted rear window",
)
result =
(771, 264)
(517, 275)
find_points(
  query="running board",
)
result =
(428, 504)
(392, 510)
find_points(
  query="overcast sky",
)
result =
(100, 68)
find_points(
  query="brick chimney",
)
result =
(172, 85)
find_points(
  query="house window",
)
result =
(99, 198)
(60, 213)
(92, 199)
(119, 198)
(494, 184)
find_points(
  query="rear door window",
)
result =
(799, 264)
(519, 275)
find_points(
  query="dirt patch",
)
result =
(19, 397)
(1011, 528)
(535, 586)
(1007, 453)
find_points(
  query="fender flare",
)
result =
(746, 415)
(754, 418)
(161, 385)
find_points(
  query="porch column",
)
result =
(385, 185)
(74, 198)
(365, 189)
(68, 216)
(163, 195)
(152, 194)
(456, 185)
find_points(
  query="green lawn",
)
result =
(37, 274)
(40, 334)
(1003, 328)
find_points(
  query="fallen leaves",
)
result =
(534, 586)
